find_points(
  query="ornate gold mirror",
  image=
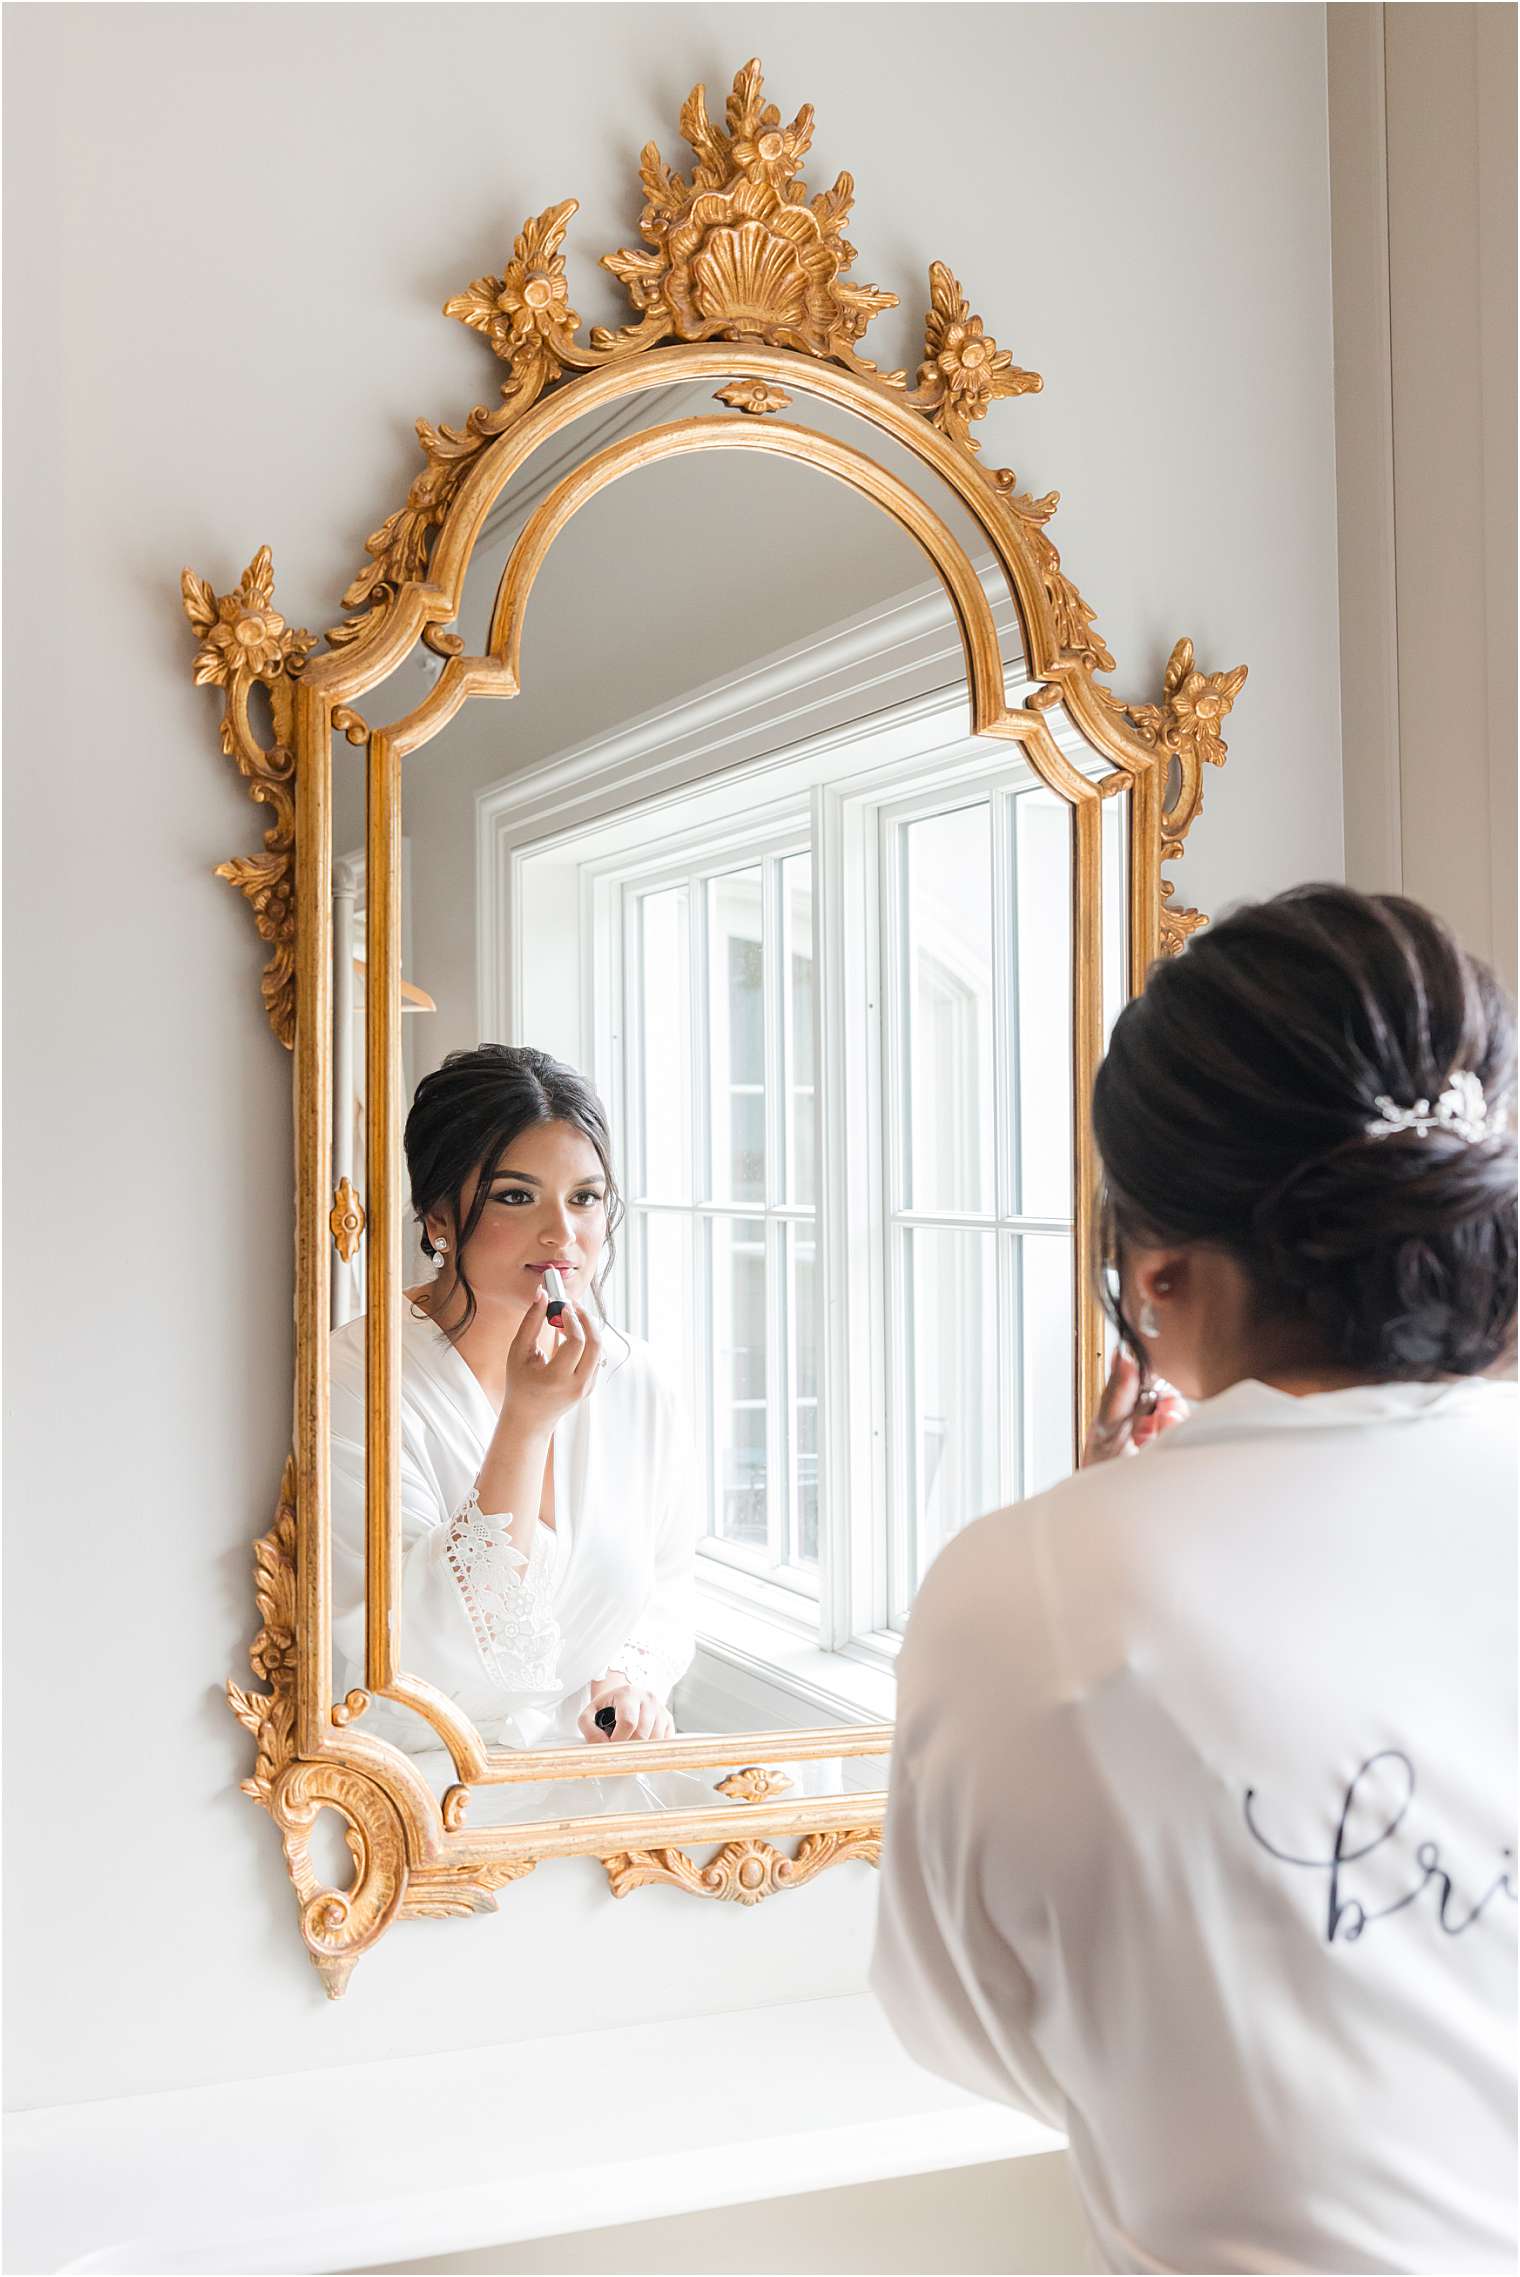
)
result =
(803, 829)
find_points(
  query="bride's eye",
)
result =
(513, 1194)
(589, 1195)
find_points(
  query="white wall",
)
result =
(229, 233)
(1023, 2214)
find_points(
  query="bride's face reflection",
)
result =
(545, 1204)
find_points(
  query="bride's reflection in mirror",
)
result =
(795, 950)
(549, 1518)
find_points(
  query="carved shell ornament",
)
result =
(738, 250)
(735, 249)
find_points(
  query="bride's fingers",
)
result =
(529, 1328)
(565, 1358)
(1120, 1392)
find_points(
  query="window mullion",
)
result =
(777, 1323)
(701, 1229)
(895, 999)
(1005, 1005)
(1008, 1128)
(1010, 1260)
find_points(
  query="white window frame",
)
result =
(616, 889)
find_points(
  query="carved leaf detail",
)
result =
(1186, 724)
(477, 305)
(245, 643)
(964, 370)
(1076, 629)
(200, 601)
(741, 1873)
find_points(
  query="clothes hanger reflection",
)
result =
(413, 998)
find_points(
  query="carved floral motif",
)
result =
(529, 304)
(243, 636)
(740, 251)
(741, 1873)
(756, 1784)
(246, 643)
(754, 396)
(346, 1220)
(1186, 724)
(964, 370)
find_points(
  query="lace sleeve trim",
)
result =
(653, 1666)
(507, 1595)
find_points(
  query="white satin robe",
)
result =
(517, 1642)
(1130, 1714)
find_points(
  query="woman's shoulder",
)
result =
(420, 1344)
(631, 1359)
(345, 1349)
(635, 1370)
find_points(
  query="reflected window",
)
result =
(866, 1291)
(718, 1049)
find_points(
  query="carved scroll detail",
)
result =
(1074, 620)
(1186, 724)
(270, 1716)
(741, 1873)
(246, 643)
(337, 1925)
(755, 1784)
(441, 1893)
(346, 1220)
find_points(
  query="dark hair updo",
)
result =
(1232, 1110)
(467, 1115)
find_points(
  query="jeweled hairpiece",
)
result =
(1461, 1108)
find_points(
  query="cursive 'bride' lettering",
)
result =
(1347, 1917)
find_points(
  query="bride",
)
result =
(548, 1516)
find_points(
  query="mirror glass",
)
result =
(800, 950)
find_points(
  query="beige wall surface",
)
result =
(1422, 113)
(229, 233)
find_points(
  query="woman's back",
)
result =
(1200, 1826)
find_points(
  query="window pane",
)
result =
(1042, 901)
(800, 1026)
(664, 1246)
(1049, 1358)
(948, 942)
(950, 1300)
(664, 1077)
(739, 1386)
(801, 1251)
(736, 1012)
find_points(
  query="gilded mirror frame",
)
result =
(743, 281)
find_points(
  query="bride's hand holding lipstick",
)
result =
(539, 1390)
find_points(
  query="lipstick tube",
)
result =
(555, 1286)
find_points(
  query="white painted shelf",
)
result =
(326, 2170)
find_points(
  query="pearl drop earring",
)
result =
(439, 1247)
